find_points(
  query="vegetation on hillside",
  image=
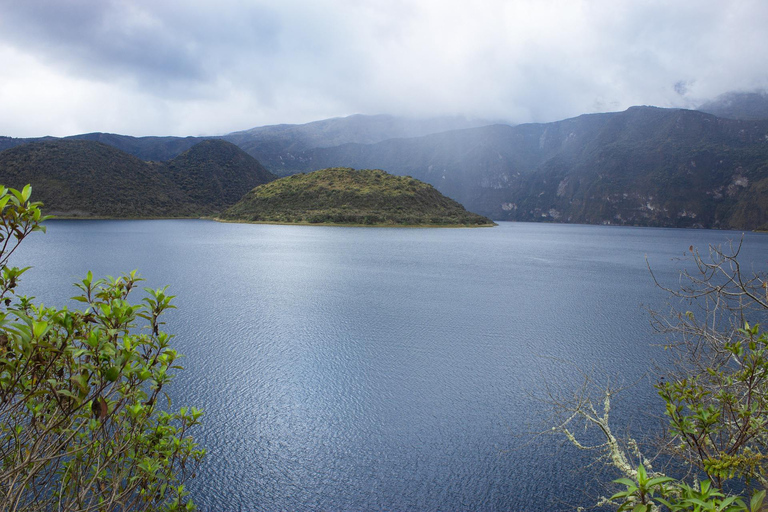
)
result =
(77, 178)
(216, 173)
(645, 166)
(84, 424)
(348, 196)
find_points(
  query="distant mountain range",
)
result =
(275, 145)
(645, 166)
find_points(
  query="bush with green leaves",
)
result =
(84, 421)
(715, 393)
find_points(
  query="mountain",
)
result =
(157, 149)
(80, 178)
(145, 148)
(277, 146)
(645, 166)
(12, 142)
(216, 173)
(739, 105)
(347, 196)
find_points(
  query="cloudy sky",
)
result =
(202, 67)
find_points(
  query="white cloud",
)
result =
(192, 67)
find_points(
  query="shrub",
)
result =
(82, 420)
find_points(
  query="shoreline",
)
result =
(352, 225)
(277, 223)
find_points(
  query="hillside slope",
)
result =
(347, 196)
(216, 174)
(278, 147)
(158, 149)
(77, 178)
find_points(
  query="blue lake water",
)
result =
(389, 369)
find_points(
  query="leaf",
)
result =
(659, 480)
(99, 408)
(112, 373)
(756, 503)
(67, 393)
(39, 329)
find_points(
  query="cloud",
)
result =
(197, 67)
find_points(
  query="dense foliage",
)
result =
(78, 178)
(347, 196)
(83, 420)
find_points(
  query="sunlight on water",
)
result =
(387, 369)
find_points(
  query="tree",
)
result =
(715, 393)
(82, 421)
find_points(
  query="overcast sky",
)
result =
(202, 67)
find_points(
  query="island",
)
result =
(344, 196)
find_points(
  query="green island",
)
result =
(344, 196)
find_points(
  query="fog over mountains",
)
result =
(645, 166)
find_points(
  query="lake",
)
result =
(390, 369)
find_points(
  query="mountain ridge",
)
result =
(645, 166)
(89, 179)
(506, 172)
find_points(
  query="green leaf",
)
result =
(756, 503)
(112, 373)
(659, 480)
(66, 392)
(39, 329)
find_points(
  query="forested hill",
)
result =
(79, 178)
(348, 196)
(145, 148)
